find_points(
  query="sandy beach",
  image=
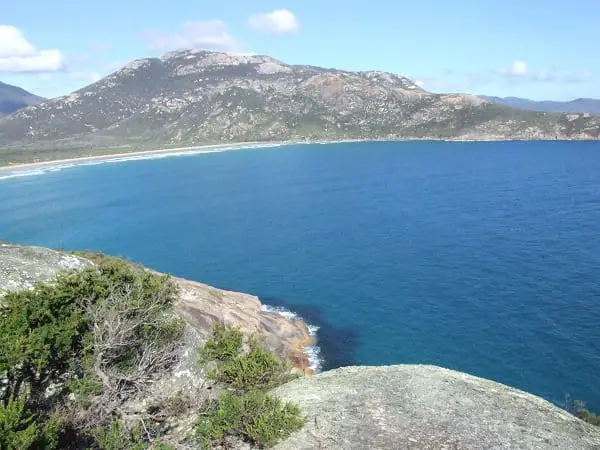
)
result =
(130, 155)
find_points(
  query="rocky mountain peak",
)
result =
(189, 97)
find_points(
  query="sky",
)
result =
(538, 49)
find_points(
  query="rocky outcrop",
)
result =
(394, 407)
(200, 305)
(426, 407)
(21, 267)
(203, 306)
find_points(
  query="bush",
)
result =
(257, 369)
(256, 417)
(18, 428)
(226, 343)
(118, 437)
(104, 331)
(584, 414)
(248, 412)
(41, 332)
(21, 429)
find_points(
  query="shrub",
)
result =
(21, 429)
(102, 331)
(257, 369)
(248, 412)
(226, 343)
(117, 437)
(256, 417)
(18, 429)
(584, 414)
(41, 331)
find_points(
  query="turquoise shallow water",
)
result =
(481, 257)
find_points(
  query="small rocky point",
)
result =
(200, 305)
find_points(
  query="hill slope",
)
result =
(580, 105)
(190, 97)
(13, 98)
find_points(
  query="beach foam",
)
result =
(50, 168)
(313, 351)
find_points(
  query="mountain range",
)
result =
(580, 105)
(192, 97)
(13, 98)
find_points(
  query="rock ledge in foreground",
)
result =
(21, 267)
(426, 407)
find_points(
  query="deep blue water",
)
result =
(481, 257)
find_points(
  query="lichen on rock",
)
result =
(426, 407)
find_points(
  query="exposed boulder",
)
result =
(203, 306)
(21, 267)
(426, 407)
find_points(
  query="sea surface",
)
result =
(480, 257)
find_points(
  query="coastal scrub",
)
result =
(245, 411)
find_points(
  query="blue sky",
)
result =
(540, 49)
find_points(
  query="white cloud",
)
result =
(277, 21)
(18, 55)
(420, 83)
(519, 71)
(209, 35)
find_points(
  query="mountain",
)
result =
(13, 98)
(190, 97)
(581, 105)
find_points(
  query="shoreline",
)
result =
(121, 156)
(311, 351)
(22, 168)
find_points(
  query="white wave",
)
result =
(50, 168)
(313, 351)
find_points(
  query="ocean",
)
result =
(480, 257)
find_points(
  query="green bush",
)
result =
(41, 331)
(46, 330)
(18, 429)
(255, 417)
(248, 412)
(225, 344)
(21, 429)
(117, 436)
(107, 327)
(257, 369)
